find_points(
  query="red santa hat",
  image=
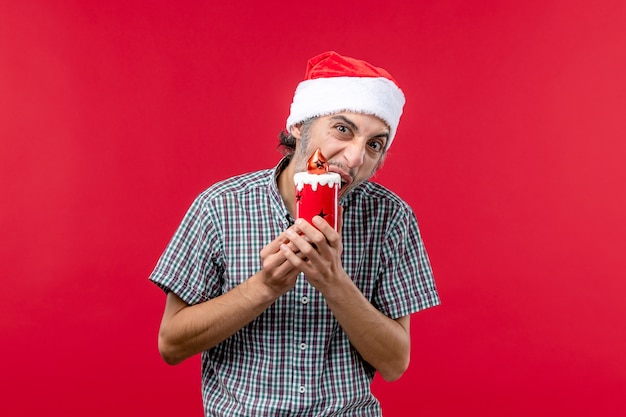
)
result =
(335, 83)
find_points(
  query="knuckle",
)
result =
(309, 249)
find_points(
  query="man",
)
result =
(294, 318)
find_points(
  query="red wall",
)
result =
(115, 115)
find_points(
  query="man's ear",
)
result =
(295, 131)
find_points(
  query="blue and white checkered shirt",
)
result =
(294, 359)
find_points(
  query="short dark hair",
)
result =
(287, 143)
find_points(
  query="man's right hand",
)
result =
(277, 273)
(187, 330)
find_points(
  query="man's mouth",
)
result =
(346, 179)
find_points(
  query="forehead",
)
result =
(360, 120)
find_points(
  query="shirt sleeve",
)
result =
(191, 265)
(406, 283)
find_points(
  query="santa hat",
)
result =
(335, 83)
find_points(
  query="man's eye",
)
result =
(342, 129)
(376, 146)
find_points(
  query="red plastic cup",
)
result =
(317, 195)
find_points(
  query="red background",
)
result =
(114, 115)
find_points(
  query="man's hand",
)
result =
(188, 330)
(318, 252)
(277, 272)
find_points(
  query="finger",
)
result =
(282, 270)
(307, 238)
(274, 262)
(299, 263)
(277, 266)
(330, 234)
(277, 258)
(274, 246)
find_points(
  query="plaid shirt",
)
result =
(294, 359)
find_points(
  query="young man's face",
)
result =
(353, 143)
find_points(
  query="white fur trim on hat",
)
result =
(380, 97)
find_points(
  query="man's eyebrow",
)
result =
(346, 120)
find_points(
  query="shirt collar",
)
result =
(279, 209)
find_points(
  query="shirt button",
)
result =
(304, 300)
(303, 346)
(301, 389)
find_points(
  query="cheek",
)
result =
(369, 168)
(332, 148)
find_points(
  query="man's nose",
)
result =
(354, 154)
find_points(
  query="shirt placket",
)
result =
(303, 348)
